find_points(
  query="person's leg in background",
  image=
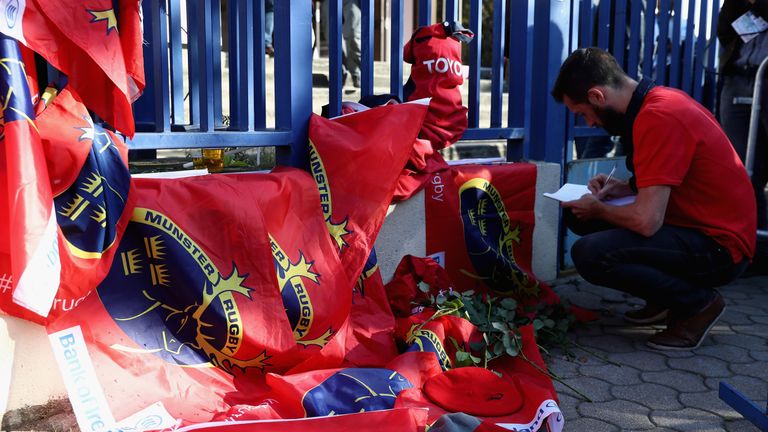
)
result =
(269, 26)
(351, 30)
(325, 24)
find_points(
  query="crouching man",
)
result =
(692, 226)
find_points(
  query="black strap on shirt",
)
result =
(633, 109)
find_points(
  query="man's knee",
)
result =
(588, 254)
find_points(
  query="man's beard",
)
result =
(614, 122)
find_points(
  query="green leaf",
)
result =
(507, 341)
(440, 299)
(512, 351)
(423, 287)
(538, 324)
(509, 303)
(477, 346)
(501, 326)
(462, 356)
(498, 348)
(549, 323)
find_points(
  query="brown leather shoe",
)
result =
(688, 333)
(648, 314)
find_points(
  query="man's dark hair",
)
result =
(584, 69)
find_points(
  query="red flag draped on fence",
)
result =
(346, 155)
(356, 160)
(29, 253)
(85, 41)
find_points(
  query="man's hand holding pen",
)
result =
(603, 187)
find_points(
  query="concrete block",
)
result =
(402, 233)
(28, 356)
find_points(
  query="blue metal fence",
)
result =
(644, 34)
(184, 110)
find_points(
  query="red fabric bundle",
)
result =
(435, 53)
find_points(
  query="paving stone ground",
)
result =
(634, 388)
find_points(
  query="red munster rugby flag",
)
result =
(88, 168)
(200, 294)
(346, 156)
(85, 41)
(480, 224)
(355, 187)
(89, 179)
(29, 252)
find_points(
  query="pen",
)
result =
(610, 175)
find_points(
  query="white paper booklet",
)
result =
(572, 191)
(748, 26)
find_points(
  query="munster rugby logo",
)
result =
(427, 341)
(89, 210)
(168, 296)
(355, 390)
(371, 265)
(490, 239)
(338, 230)
(293, 277)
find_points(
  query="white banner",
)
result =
(85, 392)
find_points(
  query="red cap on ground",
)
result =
(475, 391)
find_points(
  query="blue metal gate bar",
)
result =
(546, 121)
(240, 65)
(218, 118)
(193, 74)
(604, 24)
(620, 32)
(260, 67)
(497, 61)
(334, 57)
(193, 139)
(648, 38)
(396, 50)
(293, 79)
(687, 79)
(425, 12)
(147, 118)
(674, 67)
(520, 45)
(711, 74)
(476, 25)
(451, 11)
(743, 405)
(661, 43)
(366, 60)
(698, 70)
(633, 62)
(176, 66)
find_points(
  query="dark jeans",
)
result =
(676, 267)
(734, 118)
